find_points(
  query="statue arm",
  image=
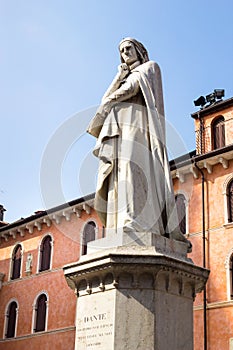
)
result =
(127, 90)
(113, 87)
(117, 81)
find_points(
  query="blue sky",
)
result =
(58, 57)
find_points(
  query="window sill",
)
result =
(15, 279)
(228, 225)
(44, 271)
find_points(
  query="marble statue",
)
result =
(134, 189)
(29, 263)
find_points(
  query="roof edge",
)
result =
(215, 107)
(47, 212)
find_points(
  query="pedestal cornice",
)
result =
(103, 270)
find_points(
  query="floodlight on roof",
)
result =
(211, 98)
(201, 101)
(219, 93)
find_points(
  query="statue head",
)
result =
(136, 46)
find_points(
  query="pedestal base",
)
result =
(135, 298)
(160, 243)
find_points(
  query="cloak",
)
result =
(134, 189)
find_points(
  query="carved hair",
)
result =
(140, 49)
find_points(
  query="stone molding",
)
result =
(38, 334)
(37, 274)
(135, 268)
(215, 305)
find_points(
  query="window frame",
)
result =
(229, 275)
(186, 203)
(12, 262)
(215, 122)
(39, 253)
(229, 195)
(6, 319)
(83, 245)
(35, 310)
(226, 185)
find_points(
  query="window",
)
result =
(45, 253)
(181, 211)
(16, 262)
(231, 276)
(88, 235)
(10, 322)
(40, 315)
(218, 131)
(230, 201)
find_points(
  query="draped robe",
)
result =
(134, 189)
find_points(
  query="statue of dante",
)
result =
(134, 189)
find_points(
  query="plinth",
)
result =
(136, 297)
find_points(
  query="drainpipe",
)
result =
(204, 251)
(201, 130)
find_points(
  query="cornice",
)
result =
(134, 261)
(205, 161)
(36, 222)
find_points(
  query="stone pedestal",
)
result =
(136, 297)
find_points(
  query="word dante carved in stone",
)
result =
(99, 317)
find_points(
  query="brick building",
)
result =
(37, 308)
(203, 184)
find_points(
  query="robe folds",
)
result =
(134, 189)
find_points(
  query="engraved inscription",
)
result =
(95, 331)
(95, 322)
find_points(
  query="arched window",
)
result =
(40, 313)
(218, 132)
(45, 253)
(231, 276)
(88, 235)
(181, 211)
(230, 201)
(11, 317)
(16, 262)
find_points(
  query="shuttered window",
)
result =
(40, 316)
(16, 262)
(181, 211)
(230, 201)
(45, 253)
(218, 130)
(11, 320)
(88, 235)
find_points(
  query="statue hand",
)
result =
(123, 71)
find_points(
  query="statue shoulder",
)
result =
(151, 71)
(153, 65)
(148, 67)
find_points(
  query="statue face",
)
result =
(128, 52)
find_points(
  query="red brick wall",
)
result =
(61, 299)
